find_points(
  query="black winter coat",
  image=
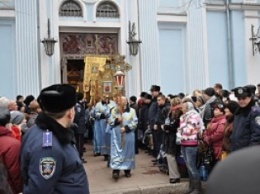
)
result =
(143, 119)
(153, 109)
(170, 129)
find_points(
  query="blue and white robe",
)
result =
(100, 125)
(122, 157)
(107, 136)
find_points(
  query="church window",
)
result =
(107, 10)
(70, 8)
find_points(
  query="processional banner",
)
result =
(94, 66)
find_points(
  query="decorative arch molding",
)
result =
(79, 2)
(90, 1)
(103, 1)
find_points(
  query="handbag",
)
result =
(205, 155)
(209, 156)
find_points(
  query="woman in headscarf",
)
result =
(18, 124)
(191, 126)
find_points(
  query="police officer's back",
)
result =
(49, 159)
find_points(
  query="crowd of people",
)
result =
(212, 119)
(38, 137)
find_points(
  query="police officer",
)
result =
(80, 129)
(49, 159)
(246, 121)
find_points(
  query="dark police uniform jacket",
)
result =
(53, 169)
(246, 127)
(79, 119)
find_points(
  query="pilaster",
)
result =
(148, 28)
(133, 81)
(197, 67)
(50, 66)
(27, 47)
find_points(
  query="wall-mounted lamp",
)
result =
(133, 43)
(49, 42)
(255, 40)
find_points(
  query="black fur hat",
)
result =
(57, 98)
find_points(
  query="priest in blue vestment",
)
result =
(123, 122)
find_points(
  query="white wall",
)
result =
(252, 62)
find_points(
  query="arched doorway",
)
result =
(75, 46)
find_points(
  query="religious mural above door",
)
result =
(88, 43)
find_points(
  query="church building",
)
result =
(182, 45)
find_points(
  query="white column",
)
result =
(45, 65)
(50, 66)
(55, 34)
(27, 48)
(197, 68)
(149, 53)
(252, 62)
(133, 76)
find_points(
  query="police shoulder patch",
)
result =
(47, 167)
(257, 120)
